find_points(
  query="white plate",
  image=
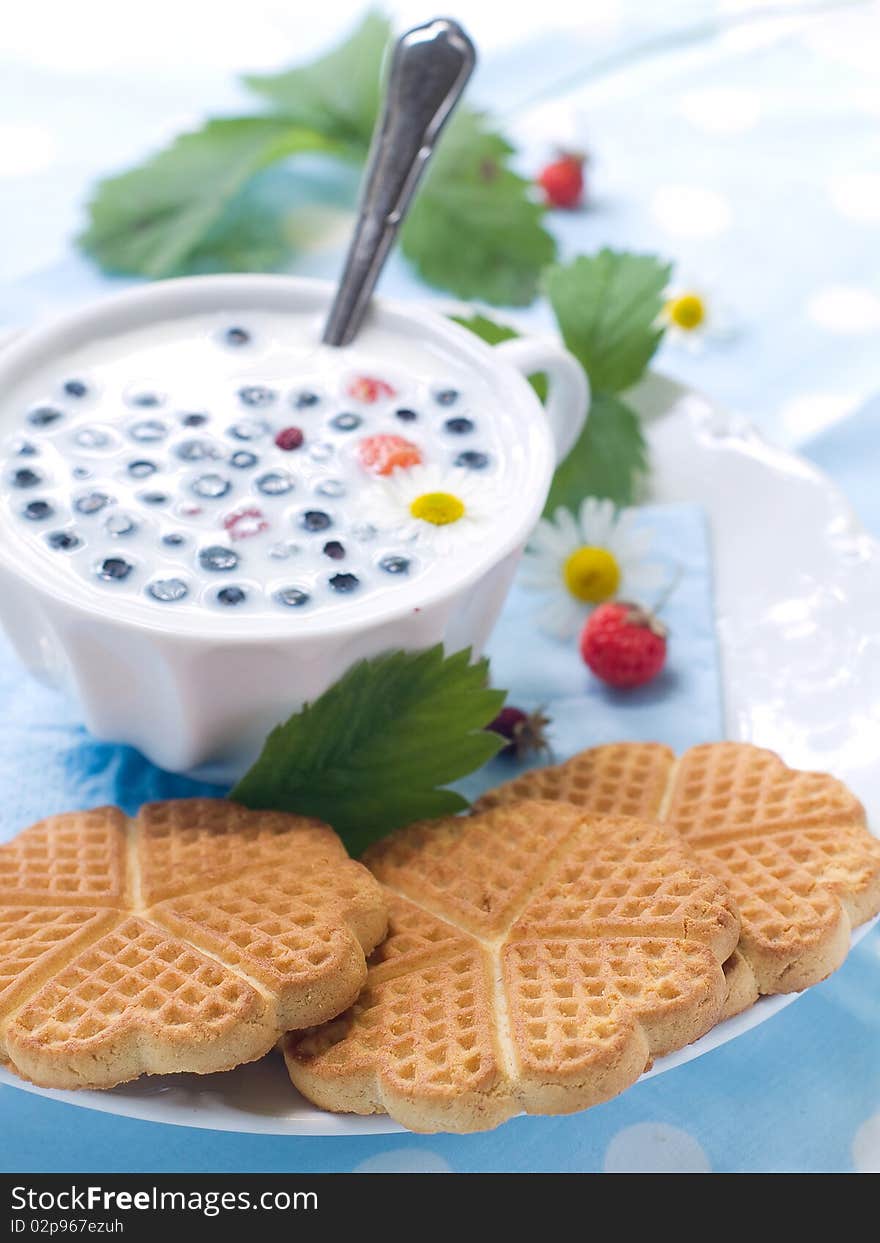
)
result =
(798, 605)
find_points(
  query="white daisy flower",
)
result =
(694, 315)
(443, 508)
(579, 562)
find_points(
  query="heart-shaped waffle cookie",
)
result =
(791, 846)
(188, 939)
(538, 957)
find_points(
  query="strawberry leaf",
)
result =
(182, 210)
(474, 227)
(337, 94)
(373, 752)
(608, 458)
(607, 306)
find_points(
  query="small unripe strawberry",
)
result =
(524, 731)
(623, 644)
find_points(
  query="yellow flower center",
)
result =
(438, 508)
(688, 311)
(591, 574)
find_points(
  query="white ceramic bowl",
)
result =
(202, 698)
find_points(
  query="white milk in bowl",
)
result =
(229, 465)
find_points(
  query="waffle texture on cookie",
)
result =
(538, 957)
(793, 847)
(187, 939)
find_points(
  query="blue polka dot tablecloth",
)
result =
(737, 137)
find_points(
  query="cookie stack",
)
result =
(534, 956)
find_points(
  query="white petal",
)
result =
(596, 521)
(552, 541)
(568, 529)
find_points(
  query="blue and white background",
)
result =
(741, 140)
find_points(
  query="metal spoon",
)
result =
(430, 67)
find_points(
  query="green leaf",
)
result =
(338, 94)
(607, 306)
(475, 228)
(607, 460)
(494, 333)
(371, 753)
(167, 216)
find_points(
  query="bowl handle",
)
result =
(568, 398)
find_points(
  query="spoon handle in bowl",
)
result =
(430, 67)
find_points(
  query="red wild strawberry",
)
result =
(369, 388)
(563, 181)
(524, 731)
(380, 455)
(623, 644)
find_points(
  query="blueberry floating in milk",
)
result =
(144, 399)
(63, 541)
(292, 597)
(315, 520)
(168, 590)
(394, 565)
(218, 558)
(211, 487)
(75, 388)
(304, 400)
(237, 336)
(92, 438)
(37, 511)
(142, 469)
(120, 524)
(344, 582)
(248, 429)
(194, 419)
(24, 477)
(346, 422)
(459, 426)
(148, 430)
(472, 460)
(196, 451)
(275, 483)
(231, 595)
(91, 503)
(114, 569)
(44, 416)
(257, 395)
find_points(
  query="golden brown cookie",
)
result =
(792, 846)
(538, 958)
(188, 939)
